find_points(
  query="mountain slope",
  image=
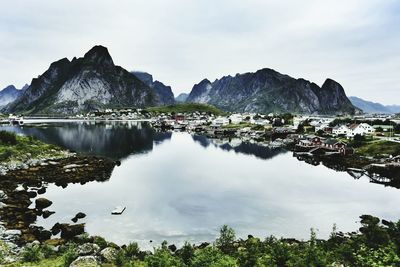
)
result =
(372, 107)
(368, 106)
(83, 84)
(181, 97)
(164, 94)
(9, 94)
(269, 91)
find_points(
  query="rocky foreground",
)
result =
(24, 186)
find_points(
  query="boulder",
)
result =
(172, 248)
(79, 215)
(32, 194)
(46, 213)
(85, 261)
(69, 231)
(41, 191)
(42, 203)
(56, 229)
(88, 249)
(109, 254)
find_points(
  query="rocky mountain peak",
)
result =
(9, 88)
(99, 55)
(164, 93)
(145, 77)
(267, 90)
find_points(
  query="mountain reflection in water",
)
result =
(115, 140)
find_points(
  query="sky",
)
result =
(181, 42)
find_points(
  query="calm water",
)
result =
(179, 187)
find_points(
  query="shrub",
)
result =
(32, 254)
(210, 256)
(47, 251)
(226, 239)
(5, 155)
(69, 256)
(120, 258)
(186, 253)
(132, 250)
(8, 138)
(100, 241)
(162, 257)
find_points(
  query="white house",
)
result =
(236, 118)
(361, 129)
(220, 121)
(339, 130)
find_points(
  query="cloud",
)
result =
(183, 41)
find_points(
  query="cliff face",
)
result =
(269, 91)
(164, 94)
(83, 84)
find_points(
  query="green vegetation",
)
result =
(378, 147)
(377, 243)
(185, 108)
(18, 148)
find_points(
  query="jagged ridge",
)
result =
(269, 91)
(83, 84)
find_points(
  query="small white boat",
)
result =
(118, 210)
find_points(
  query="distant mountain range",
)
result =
(181, 97)
(372, 107)
(94, 82)
(10, 93)
(267, 91)
(84, 84)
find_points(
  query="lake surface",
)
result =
(179, 187)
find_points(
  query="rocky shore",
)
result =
(23, 184)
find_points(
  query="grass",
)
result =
(25, 147)
(378, 147)
(51, 262)
(185, 108)
(238, 125)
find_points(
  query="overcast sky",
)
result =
(181, 42)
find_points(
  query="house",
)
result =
(340, 130)
(236, 118)
(315, 140)
(306, 143)
(179, 117)
(333, 144)
(220, 121)
(361, 129)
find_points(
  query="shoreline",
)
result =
(28, 182)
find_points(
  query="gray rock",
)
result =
(88, 249)
(85, 261)
(42, 203)
(109, 254)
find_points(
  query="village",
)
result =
(373, 138)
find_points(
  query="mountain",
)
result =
(164, 93)
(83, 84)
(394, 108)
(267, 91)
(181, 97)
(372, 107)
(10, 93)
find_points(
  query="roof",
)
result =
(331, 141)
(353, 126)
